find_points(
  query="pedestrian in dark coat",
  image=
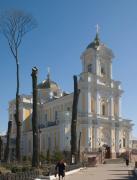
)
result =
(127, 161)
(60, 169)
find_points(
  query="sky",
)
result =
(65, 28)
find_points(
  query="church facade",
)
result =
(99, 109)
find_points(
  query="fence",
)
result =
(28, 175)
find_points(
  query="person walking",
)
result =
(127, 161)
(60, 169)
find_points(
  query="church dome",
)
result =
(95, 44)
(47, 83)
(49, 89)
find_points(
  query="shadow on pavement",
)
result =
(124, 178)
(120, 174)
(119, 170)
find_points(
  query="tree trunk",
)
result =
(35, 158)
(17, 118)
(74, 122)
(7, 150)
(1, 144)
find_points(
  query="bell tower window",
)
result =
(102, 71)
(89, 68)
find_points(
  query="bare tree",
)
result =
(14, 24)
(74, 122)
(35, 158)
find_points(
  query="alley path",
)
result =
(103, 172)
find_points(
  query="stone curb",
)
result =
(53, 177)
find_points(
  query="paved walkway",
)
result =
(103, 172)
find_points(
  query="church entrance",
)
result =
(107, 151)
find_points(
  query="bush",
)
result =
(57, 156)
(24, 158)
(43, 157)
(16, 169)
(48, 157)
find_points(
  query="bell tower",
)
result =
(99, 93)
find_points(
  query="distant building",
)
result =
(99, 109)
(3, 144)
(134, 143)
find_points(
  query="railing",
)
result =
(28, 175)
(50, 170)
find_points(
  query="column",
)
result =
(112, 106)
(89, 102)
(113, 143)
(117, 141)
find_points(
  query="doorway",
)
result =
(107, 151)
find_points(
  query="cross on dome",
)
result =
(97, 28)
(48, 75)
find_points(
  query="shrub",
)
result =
(43, 157)
(57, 156)
(48, 157)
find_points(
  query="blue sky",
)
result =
(65, 28)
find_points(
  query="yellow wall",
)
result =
(27, 113)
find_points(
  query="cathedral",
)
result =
(99, 118)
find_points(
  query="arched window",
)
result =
(103, 109)
(102, 69)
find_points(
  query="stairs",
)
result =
(114, 161)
